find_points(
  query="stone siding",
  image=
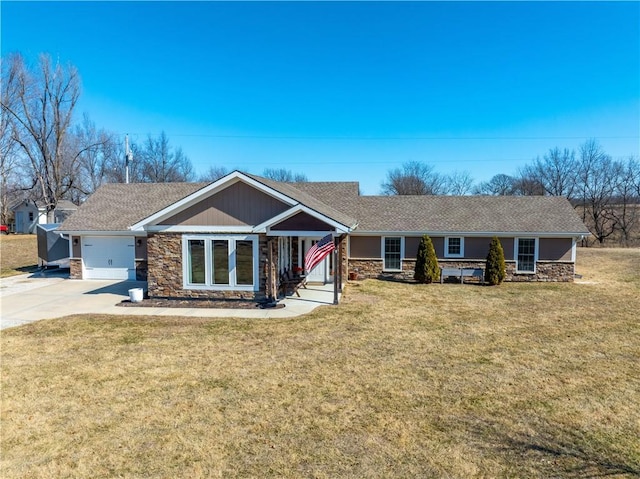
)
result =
(372, 268)
(546, 271)
(550, 271)
(164, 277)
(75, 268)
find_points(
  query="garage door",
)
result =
(109, 257)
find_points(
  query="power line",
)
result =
(396, 138)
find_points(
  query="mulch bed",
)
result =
(199, 303)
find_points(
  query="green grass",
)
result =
(399, 380)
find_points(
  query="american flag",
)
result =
(318, 252)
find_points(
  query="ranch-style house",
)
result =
(234, 237)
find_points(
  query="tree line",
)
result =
(605, 192)
(46, 155)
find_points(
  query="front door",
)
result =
(322, 273)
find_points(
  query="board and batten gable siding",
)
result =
(237, 205)
(555, 249)
(302, 222)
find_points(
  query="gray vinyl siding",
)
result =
(555, 249)
(365, 247)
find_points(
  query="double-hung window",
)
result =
(453, 247)
(220, 262)
(526, 255)
(392, 253)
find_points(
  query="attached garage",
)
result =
(109, 257)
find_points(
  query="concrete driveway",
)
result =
(28, 298)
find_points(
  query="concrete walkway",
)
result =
(32, 297)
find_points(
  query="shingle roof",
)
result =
(467, 214)
(117, 206)
(66, 205)
(295, 191)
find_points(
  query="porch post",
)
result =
(336, 276)
(340, 253)
(271, 283)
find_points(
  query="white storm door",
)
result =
(109, 257)
(319, 273)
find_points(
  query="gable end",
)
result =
(239, 204)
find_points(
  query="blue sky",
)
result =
(348, 90)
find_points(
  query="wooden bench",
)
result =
(462, 273)
(289, 281)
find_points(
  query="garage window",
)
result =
(220, 262)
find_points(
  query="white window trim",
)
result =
(209, 286)
(382, 249)
(536, 250)
(446, 247)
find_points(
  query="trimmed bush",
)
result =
(496, 268)
(427, 270)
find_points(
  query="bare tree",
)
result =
(459, 183)
(41, 113)
(282, 174)
(498, 185)
(525, 184)
(93, 160)
(214, 173)
(598, 178)
(9, 188)
(414, 178)
(161, 163)
(626, 210)
(557, 172)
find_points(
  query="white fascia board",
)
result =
(199, 229)
(508, 234)
(299, 208)
(303, 234)
(103, 233)
(208, 190)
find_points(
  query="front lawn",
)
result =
(18, 254)
(399, 380)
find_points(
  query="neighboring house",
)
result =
(28, 214)
(233, 237)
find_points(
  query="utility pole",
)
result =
(128, 156)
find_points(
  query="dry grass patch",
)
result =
(18, 254)
(521, 380)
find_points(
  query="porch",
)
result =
(310, 297)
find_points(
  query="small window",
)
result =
(526, 255)
(30, 216)
(454, 247)
(392, 254)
